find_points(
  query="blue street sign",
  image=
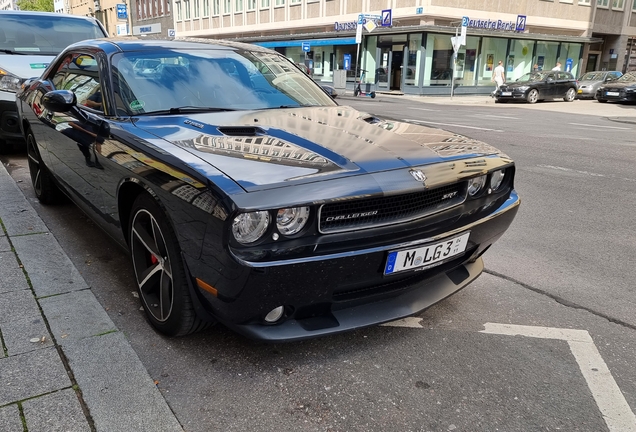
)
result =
(521, 23)
(568, 65)
(360, 19)
(347, 61)
(465, 21)
(387, 18)
(122, 11)
(305, 46)
(419, 10)
(171, 33)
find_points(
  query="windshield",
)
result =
(162, 79)
(533, 77)
(43, 34)
(628, 77)
(593, 76)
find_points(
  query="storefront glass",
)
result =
(414, 61)
(546, 56)
(493, 50)
(570, 57)
(439, 54)
(519, 60)
(466, 72)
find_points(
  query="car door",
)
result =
(549, 86)
(564, 82)
(74, 139)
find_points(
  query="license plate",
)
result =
(580, 91)
(612, 93)
(424, 257)
(506, 93)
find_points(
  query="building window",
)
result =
(196, 8)
(227, 6)
(251, 4)
(617, 4)
(295, 1)
(238, 6)
(634, 5)
(186, 6)
(264, 4)
(206, 8)
(279, 3)
(216, 7)
(584, 2)
(168, 7)
(178, 6)
(602, 3)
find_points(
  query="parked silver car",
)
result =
(591, 81)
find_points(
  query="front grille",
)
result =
(373, 212)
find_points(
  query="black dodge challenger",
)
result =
(246, 195)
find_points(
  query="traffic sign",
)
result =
(387, 18)
(171, 33)
(306, 46)
(347, 61)
(370, 26)
(464, 27)
(122, 11)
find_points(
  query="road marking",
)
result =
(411, 322)
(495, 116)
(597, 126)
(608, 396)
(451, 124)
(591, 174)
(423, 109)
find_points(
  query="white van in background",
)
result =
(28, 43)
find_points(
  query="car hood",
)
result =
(25, 66)
(619, 85)
(271, 148)
(590, 82)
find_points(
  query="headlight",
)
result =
(475, 185)
(9, 82)
(291, 220)
(249, 227)
(496, 179)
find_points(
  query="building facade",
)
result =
(415, 54)
(8, 5)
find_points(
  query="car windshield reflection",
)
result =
(533, 77)
(628, 77)
(213, 79)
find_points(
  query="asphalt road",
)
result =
(566, 263)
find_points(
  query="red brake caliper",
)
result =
(153, 259)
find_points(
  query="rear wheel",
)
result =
(533, 96)
(570, 95)
(159, 270)
(372, 95)
(45, 189)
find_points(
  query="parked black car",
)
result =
(536, 86)
(620, 90)
(245, 194)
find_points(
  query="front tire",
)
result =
(570, 95)
(45, 189)
(533, 96)
(159, 270)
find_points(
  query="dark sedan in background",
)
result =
(621, 90)
(245, 194)
(536, 86)
(591, 81)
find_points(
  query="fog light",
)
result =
(275, 314)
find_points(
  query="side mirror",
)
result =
(59, 100)
(609, 78)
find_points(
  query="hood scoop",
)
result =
(241, 131)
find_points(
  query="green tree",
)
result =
(36, 5)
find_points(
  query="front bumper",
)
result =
(9, 120)
(344, 291)
(511, 95)
(620, 96)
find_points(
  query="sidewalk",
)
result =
(64, 366)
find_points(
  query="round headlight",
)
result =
(476, 184)
(249, 227)
(496, 179)
(291, 220)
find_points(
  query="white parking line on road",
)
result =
(588, 173)
(597, 126)
(451, 124)
(423, 109)
(608, 396)
(495, 116)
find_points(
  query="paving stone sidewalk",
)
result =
(64, 366)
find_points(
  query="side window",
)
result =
(79, 73)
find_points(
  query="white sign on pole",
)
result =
(464, 27)
(359, 34)
(456, 41)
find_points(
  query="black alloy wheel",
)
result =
(570, 95)
(159, 270)
(533, 96)
(45, 189)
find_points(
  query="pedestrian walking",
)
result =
(498, 77)
(557, 67)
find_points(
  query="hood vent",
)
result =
(241, 131)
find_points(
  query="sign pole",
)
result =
(455, 49)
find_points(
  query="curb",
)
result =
(65, 365)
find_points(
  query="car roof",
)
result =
(44, 14)
(128, 44)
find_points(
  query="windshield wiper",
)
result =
(6, 51)
(186, 110)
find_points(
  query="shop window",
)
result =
(519, 60)
(466, 72)
(414, 61)
(439, 54)
(546, 56)
(493, 50)
(570, 57)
